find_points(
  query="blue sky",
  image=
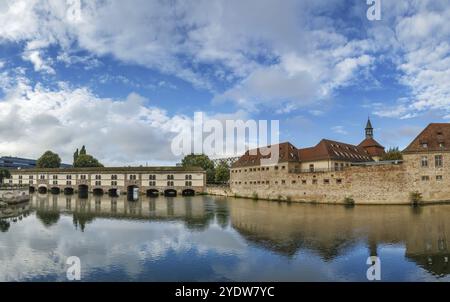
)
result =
(124, 77)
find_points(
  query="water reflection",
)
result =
(216, 238)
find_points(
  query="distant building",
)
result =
(11, 162)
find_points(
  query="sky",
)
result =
(125, 77)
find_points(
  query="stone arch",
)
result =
(170, 192)
(152, 193)
(188, 192)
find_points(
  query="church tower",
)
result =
(372, 147)
(369, 129)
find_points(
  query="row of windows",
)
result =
(427, 178)
(113, 183)
(257, 169)
(283, 182)
(113, 177)
(438, 161)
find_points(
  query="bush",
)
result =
(255, 196)
(416, 198)
(349, 202)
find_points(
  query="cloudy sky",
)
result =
(124, 77)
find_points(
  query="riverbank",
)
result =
(348, 201)
(14, 195)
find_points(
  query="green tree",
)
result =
(86, 161)
(49, 160)
(222, 172)
(83, 150)
(392, 154)
(75, 156)
(200, 160)
(4, 173)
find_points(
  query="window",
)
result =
(55, 176)
(276, 167)
(441, 145)
(439, 177)
(283, 182)
(83, 177)
(424, 161)
(283, 167)
(188, 183)
(438, 161)
(267, 182)
(20, 176)
(98, 176)
(425, 178)
(338, 181)
(114, 183)
(304, 181)
(114, 177)
(314, 181)
(311, 168)
(55, 182)
(189, 177)
(424, 145)
(152, 177)
(170, 177)
(68, 176)
(98, 183)
(69, 182)
(293, 182)
(170, 183)
(326, 181)
(31, 182)
(30, 177)
(152, 183)
(336, 166)
(42, 177)
(133, 177)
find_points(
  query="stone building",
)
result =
(148, 180)
(335, 172)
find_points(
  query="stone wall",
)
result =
(377, 184)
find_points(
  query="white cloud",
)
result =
(284, 56)
(339, 130)
(34, 119)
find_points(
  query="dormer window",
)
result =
(424, 145)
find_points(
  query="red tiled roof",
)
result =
(436, 137)
(287, 152)
(372, 147)
(328, 149)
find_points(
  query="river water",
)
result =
(207, 238)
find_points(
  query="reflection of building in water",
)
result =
(13, 213)
(195, 212)
(330, 230)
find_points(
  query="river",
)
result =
(208, 238)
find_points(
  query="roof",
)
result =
(287, 152)
(369, 124)
(436, 136)
(372, 147)
(111, 169)
(329, 149)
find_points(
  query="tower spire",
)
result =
(369, 129)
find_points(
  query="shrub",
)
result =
(416, 198)
(255, 196)
(349, 202)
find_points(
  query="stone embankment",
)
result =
(13, 196)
